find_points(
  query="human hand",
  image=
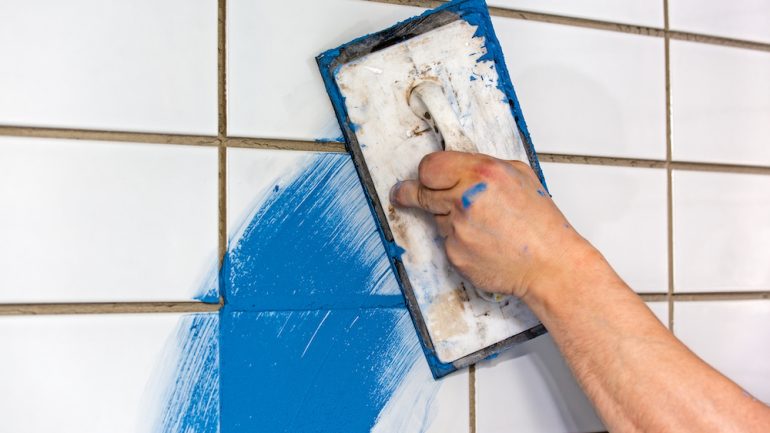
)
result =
(502, 230)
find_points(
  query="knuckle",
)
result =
(426, 167)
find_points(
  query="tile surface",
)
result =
(660, 309)
(721, 232)
(614, 207)
(109, 373)
(586, 91)
(306, 211)
(720, 101)
(530, 389)
(290, 101)
(738, 19)
(641, 12)
(333, 370)
(732, 336)
(135, 66)
(87, 221)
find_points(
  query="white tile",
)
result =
(721, 232)
(640, 12)
(274, 88)
(738, 19)
(732, 336)
(134, 66)
(614, 207)
(660, 309)
(103, 373)
(252, 174)
(720, 101)
(586, 91)
(531, 389)
(87, 221)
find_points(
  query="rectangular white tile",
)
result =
(738, 19)
(133, 66)
(732, 336)
(87, 221)
(586, 91)
(721, 232)
(531, 389)
(720, 102)
(640, 12)
(108, 373)
(614, 207)
(274, 88)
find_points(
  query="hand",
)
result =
(502, 230)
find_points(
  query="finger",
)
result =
(444, 225)
(412, 194)
(444, 170)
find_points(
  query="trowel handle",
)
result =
(429, 101)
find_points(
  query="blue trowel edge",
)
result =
(475, 12)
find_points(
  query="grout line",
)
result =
(601, 160)
(88, 134)
(221, 69)
(333, 146)
(472, 398)
(669, 172)
(721, 296)
(280, 144)
(222, 129)
(724, 168)
(718, 40)
(654, 297)
(602, 25)
(107, 308)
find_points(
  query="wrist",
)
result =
(580, 270)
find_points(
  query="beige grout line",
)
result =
(222, 128)
(270, 143)
(600, 160)
(723, 168)
(87, 134)
(654, 297)
(669, 172)
(107, 308)
(472, 399)
(602, 25)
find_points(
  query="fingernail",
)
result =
(394, 191)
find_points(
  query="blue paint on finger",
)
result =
(542, 193)
(469, 196)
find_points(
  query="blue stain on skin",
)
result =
(469, 195)
(542, 193)
(192, 400)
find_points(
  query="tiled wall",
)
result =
(143, 140)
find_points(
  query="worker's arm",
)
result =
(505, 234)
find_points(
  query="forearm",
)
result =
(639, 377)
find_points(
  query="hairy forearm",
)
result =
(638, 375)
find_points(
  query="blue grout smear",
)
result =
(314, 333)
(192, 400)
(469, 196)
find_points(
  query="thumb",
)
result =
(412, 194)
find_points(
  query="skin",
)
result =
(509, 237)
